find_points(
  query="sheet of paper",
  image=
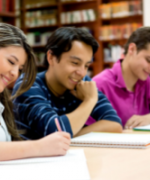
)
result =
(143, 128)
(72, 166)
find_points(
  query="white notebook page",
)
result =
(72, 166)
(113, 138)
(147, 127)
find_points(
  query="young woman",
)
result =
(16, 56)
(127, 83)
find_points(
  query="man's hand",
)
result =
(86, 90)
(137, 120)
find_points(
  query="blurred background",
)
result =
(110, 21)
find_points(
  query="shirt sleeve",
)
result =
(35, 110)
(104, 110)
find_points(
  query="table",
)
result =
(118, 164)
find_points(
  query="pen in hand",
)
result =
(57, 124)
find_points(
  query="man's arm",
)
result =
(101, 126)
(106, 116)
(87, 92)
(35, 110)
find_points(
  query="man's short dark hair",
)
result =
(141, 37)
(61, 40)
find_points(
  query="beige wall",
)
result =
(146, 12)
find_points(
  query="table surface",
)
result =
(118, 164)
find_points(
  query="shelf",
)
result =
(109, 64)
(41, 27)
(41, 66)
(80, 23)
(114, 41)
(41, 7)
(7, 14)
(38, 46)
(78, 2)
(126, 18)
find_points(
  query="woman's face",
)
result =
(12, 60)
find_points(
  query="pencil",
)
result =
(57, 124)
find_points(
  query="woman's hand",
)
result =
(54, 144)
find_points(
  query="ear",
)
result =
(50, 57)
(132, 49)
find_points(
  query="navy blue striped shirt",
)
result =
(36, 109)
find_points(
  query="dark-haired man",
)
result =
(64, 91)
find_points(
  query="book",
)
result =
(72, 166)
(112, 140)
(142, 128)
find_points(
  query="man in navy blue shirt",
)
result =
(64, 91)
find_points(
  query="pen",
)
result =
(57, 124)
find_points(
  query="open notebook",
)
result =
(112, 140)
(142, 128)
(72, 166)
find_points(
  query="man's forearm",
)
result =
(101, 126)
(79, 116)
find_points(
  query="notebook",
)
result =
(72, 166)
(112, 140)
(142, 128)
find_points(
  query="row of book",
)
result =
(120, 9)
(37, 38)
(5, 6)
(111, 32)
(78, 16)
(112, 53)
(41, 18)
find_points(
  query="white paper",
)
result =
(72, 166)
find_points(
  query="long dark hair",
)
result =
(13, 36)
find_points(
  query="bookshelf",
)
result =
(7, 12)
(59, 9)
(132, 18)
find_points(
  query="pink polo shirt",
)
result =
(125, 102)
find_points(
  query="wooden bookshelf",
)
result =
(7, 16)
(63, 7)
(136, 18)
(98, 65)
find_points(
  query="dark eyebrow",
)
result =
(15, 58)
(77, 58)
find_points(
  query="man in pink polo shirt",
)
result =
(127, 83)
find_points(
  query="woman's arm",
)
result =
(51, 145)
